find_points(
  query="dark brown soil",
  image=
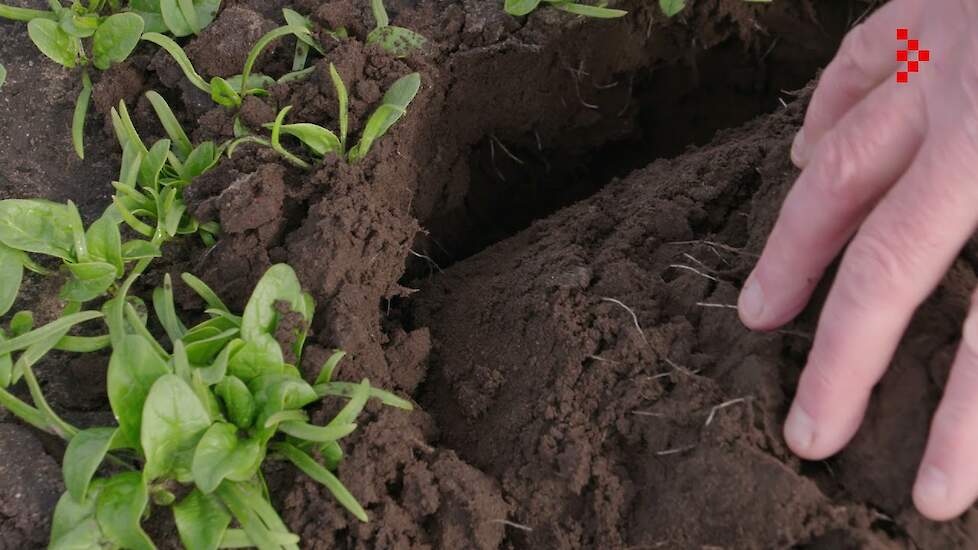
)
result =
(36, 106)
(590, 418)
(543, 421)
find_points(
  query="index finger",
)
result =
(866, 58)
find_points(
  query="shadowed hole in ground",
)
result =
(665, 109)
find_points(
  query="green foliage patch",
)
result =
(322, 141)
(206, 414)
(100, 33)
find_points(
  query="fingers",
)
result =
(895, 260)
(857, 162)
(866, 58)
(947, 482)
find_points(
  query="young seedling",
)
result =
(178, 17)
(33, 344)
(113, 38)
(62, 33)
(199, 421)
(321, 141)
(94, 260)
(204, 414)
(231, 92)
(3, 75)
(306, 42)
(148, 199)
(397, 40)
(152, 180)
(524, 7)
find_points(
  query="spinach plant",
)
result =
(99, 34)
(307, 41)
(113, 38)
(93, 259)
(231, 92)
(148, 199)
(31, 344)
(177, 17)
(321, 141)
(204, 412)
(204, 416)
(524, 7)
(3, 75)
(397, 40)
(152, 179)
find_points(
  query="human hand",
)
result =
(894, 167)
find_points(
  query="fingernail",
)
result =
(751, 301)
(931, 486)
(799, 429)
(799, 156)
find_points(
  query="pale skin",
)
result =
(889, 180)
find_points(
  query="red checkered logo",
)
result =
(913, 56)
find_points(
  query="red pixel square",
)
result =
(923, 55)
(913, 45)
(903, 34)
(902, 77)
(901, 55)
(913, 66)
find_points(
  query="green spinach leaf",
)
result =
(82, 458)
(11, 276)
(520, 7)
(222, 455)
(319, 140)
(115, 39)
(173, 422)
(317, 472)
(671, 7)
(35, 225)
(238, 401)
(54, 42)
(89, 280)
(74, 526)
(133, 369)
(105, 243)
(201, 521)
(392, 108)
(119, 510)
(279, 284)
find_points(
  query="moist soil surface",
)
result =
(542, 254)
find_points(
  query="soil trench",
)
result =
(506, 257)
(595, 365)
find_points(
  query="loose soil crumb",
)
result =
(222, 48)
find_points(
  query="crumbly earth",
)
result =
(595, 365)
(548, 416)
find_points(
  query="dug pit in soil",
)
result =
(595, 366)
(564, 375)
